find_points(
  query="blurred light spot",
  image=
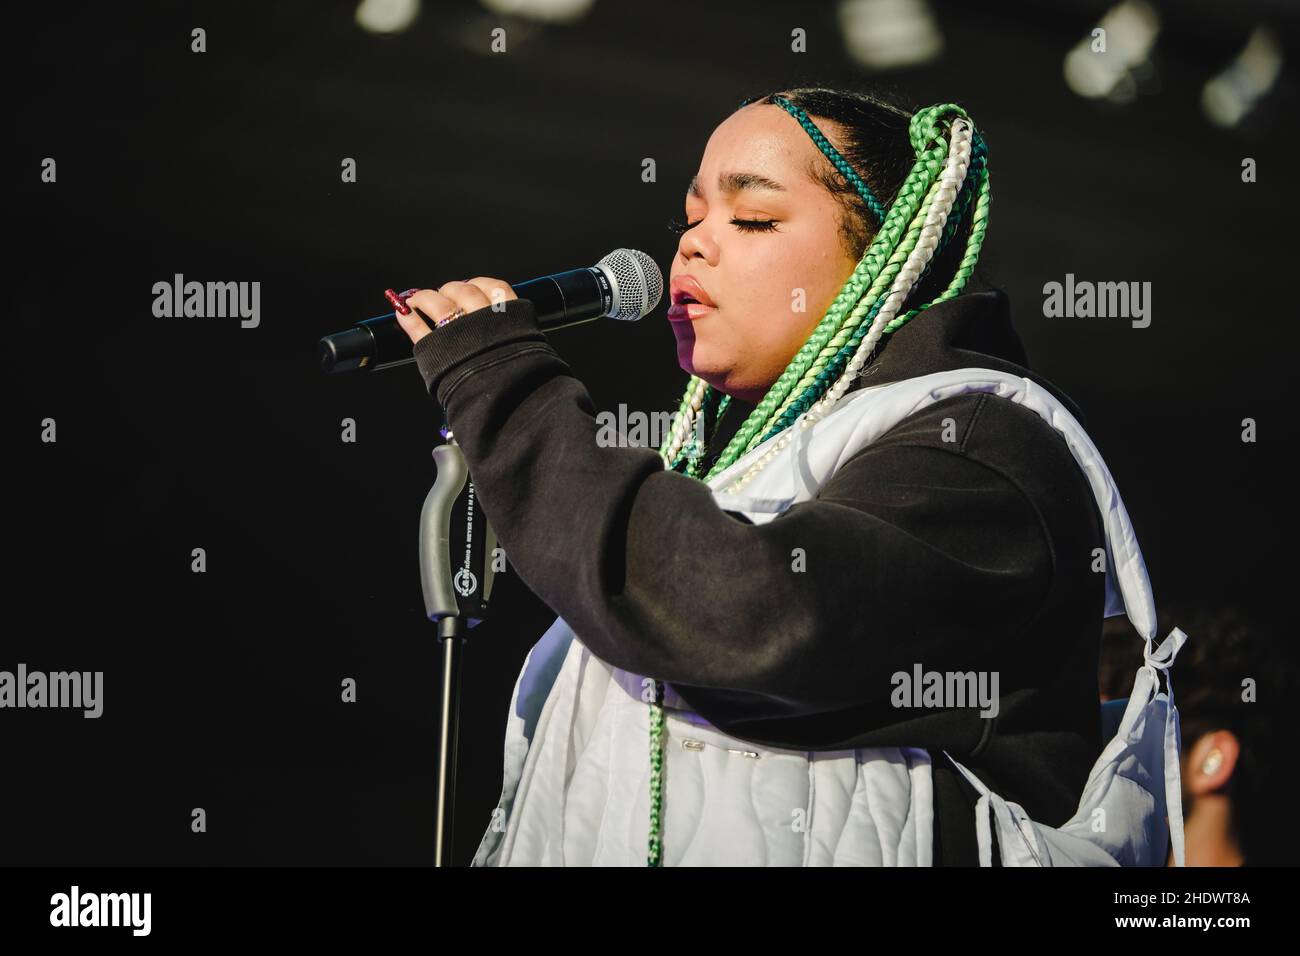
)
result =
(1230, 95)
(387, 16)
(1131, 30)
(547, 11)
(881, 34)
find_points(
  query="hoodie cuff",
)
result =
(447, 355)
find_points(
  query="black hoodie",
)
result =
(967, 554)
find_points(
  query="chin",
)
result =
(717, 371)
(719, 378)
(695, 361)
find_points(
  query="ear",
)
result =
(1210, 762)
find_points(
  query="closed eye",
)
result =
(745, 225)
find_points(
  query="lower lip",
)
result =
(688, 312)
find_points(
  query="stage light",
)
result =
(1126, 35)
(546, 11)
(1230, 95)
(387, 16)
(884, 34)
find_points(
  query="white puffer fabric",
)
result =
(577, 766)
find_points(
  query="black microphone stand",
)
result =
(454, 534)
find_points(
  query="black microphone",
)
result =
(626, 284)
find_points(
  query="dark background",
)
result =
(222, 689)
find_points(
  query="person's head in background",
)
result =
(772, 231)
(1231, 683)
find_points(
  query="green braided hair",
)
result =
(918, 222)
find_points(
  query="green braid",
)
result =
(817, 382)
(656, 847)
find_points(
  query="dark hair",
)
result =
(873, 136)
(1224, 648)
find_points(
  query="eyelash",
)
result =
(746, 225)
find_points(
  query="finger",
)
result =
(413, 325)
(467, 297)
(497, 290)
(427, 307)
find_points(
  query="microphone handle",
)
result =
(560, 300)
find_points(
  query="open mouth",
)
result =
(689, 299)
(687, 309)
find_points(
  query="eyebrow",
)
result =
(735, 182)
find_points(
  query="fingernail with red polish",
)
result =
(395, 301)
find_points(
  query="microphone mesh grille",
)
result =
(638, 283)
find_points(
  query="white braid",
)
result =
(684, 424)
(944, 191)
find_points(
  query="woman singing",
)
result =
(761, 634)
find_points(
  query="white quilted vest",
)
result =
(577, 769)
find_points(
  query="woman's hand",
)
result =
(436, 305)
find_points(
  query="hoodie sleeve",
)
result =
(787, 632)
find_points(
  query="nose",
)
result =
(698, 243)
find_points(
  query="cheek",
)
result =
(786, 282)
